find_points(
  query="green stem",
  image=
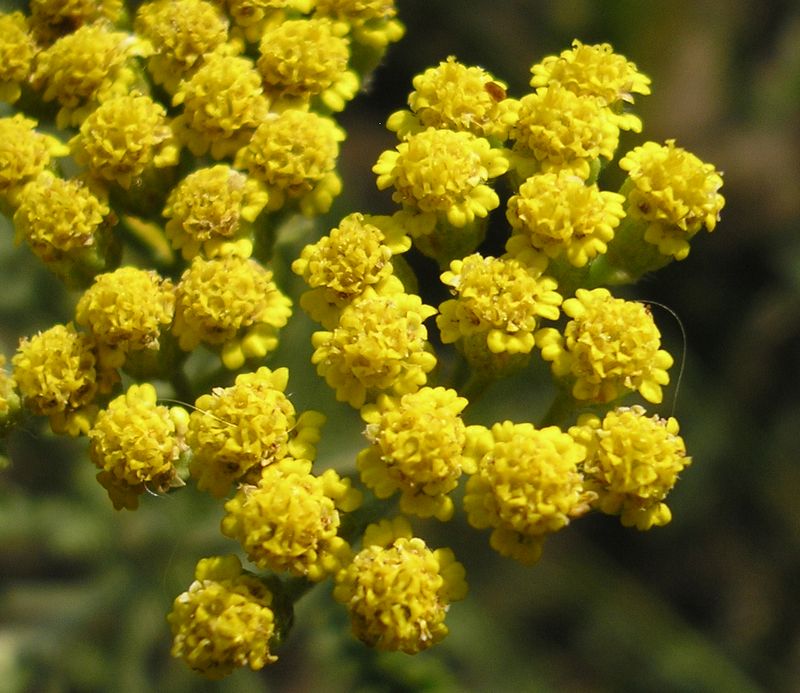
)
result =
(562, 411)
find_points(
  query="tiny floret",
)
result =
(417, 444)
(453, 96)
(125, 137)
(303, 59)
(673, 192)
(212, 208)
(595, 70)
(289, 521)
(224, 620)
(442, 172)
(373, 23)
(135, 443)
(17, 51)
(380, 344)
(610, 348)
(223, 103)
(182, 33)
(236, 432)
(633, 462)
(56, 374)
(232, 303)
(501, 299)
(558, 129)
(557, 214)
(50, 19)
(126, 310)
(527, 486)
(24, 154)
(398, 591)
(294, 154)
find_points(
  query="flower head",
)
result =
(230, 302)
(123, 138)
(558, 129)
(527, 485)
(85, 68)
(290, 519)
(24, 154)
(442, 172)
(595, 70)
(212, 208)
(633, 462)
(306, 58)
(294, 154)
(64, 223)
(373, 23)
(673, 192)
(453, 96)
(398, 591)
(126, 310)
(135, 443)
(417, 442)
(340, 266)
(498, 298)
(253, 17)
(610, 347)
(50, 19)
(223, 103)
(557, 214)
(235, 432)
(56, 374)
(380, 344)
(10, 402)
(223, 621)
(17, 51)
(182, 33)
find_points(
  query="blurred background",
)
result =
(707, 603)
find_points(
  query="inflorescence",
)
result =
(198, 132)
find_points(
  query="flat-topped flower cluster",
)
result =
(188, 135)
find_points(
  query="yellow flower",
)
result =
(65, 225)
(610, 347)
(223, 103)
(85, 68)
(558, 129)
(673, 192)
(56, 374)
(498, 298)
(182, 33)
(235, 432)
(370, 22)
(10, 402)
(442, 172)
(17, 51)
(135, 443)
(126, 310)
(223, 621)
(557, 214)
(123, 138)
(254, 17)
(632, 464)
(341, 265)
(398, 591)
(211, 208)
(304, 59)
(453, 96)
(24, 154)
(50, 19)
(595, 71)
(294, 154)
(380, 344)
(230, 302)
(527, 485)
(417, 442)
(289, 521)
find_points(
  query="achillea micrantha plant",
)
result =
(203, 145)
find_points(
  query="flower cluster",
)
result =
(181, 193)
